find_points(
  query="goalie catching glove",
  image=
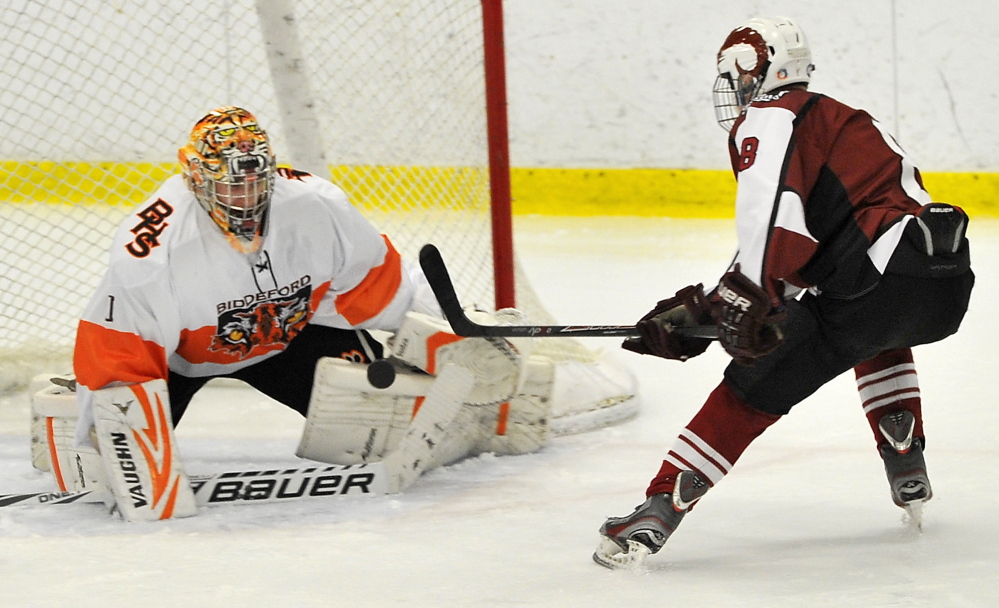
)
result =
(657, 337)
(748, 324)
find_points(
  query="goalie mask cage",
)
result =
(400, 102)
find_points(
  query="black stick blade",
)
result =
(440, 282)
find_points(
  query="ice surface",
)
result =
(804, 519)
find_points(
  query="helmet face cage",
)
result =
(238, 199)
(732, 95)
(230, 169)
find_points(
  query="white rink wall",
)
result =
(628, 83)
(591, 83)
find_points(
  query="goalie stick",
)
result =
(270, 485)
(440, 282)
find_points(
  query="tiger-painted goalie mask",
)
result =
(229, 166)
(759, 56)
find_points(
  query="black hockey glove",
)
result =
(656, 336)
(748, 324)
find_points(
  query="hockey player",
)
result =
(843, 263)
(240, 269)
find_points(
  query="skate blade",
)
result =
(913, 517)
(610, 555)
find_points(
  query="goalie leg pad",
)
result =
(52, 408)
(519, 426)
(39, 443)
(350, 421)
(136, 441)
(39, 432)
(522, 425)
(432, 424)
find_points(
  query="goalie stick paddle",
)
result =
(440, 282)
(243, 487)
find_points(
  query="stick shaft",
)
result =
(440, 282)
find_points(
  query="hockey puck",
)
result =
(381, 374)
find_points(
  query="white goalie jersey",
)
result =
(160, 307)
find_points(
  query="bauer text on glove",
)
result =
(748, 323)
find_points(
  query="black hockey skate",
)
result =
(627, 541)
(904, 464)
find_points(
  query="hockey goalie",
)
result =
(238, 269)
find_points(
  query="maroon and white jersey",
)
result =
(824, 194)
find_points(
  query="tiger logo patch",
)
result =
(264, 324)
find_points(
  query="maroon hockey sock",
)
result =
(713, 440)
(887, 383)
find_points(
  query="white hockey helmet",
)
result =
(762, 54)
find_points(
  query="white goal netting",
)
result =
(386, 97)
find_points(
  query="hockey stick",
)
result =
(440, 282)
(272, 485)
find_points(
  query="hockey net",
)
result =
(385, 97)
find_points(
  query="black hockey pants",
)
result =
(825, 337)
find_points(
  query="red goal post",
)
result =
(494, 57)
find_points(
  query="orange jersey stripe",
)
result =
(375, 292)
(103, 356)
